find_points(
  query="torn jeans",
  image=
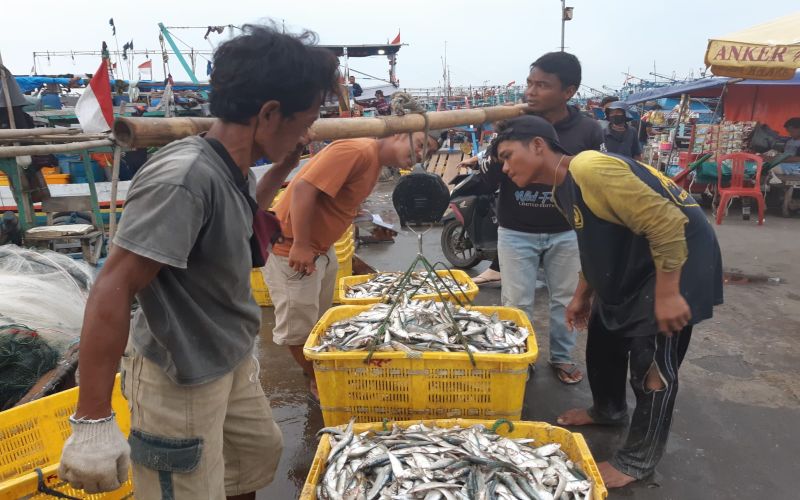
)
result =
(608, 358)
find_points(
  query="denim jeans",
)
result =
(520, 254)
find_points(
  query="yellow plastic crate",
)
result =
(429, 385)
(31, 437)
(572, 443)
(259, 287)
(469, 290)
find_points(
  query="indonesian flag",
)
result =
(146, 70)
(512, 82)
(396, 40)
(94, 109)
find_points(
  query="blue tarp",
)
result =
(31, 83)
(701, 85)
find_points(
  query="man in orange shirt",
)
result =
(320, 203)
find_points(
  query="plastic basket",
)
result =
(57, 178)
(469, 288)
(31, 437)
(428, 385)
(572, 443)
(259, 287)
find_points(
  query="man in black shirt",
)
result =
(357, 91)
(620, 138)
(532, 230)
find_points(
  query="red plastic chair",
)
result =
(737, 184)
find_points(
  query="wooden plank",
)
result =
(67, 204)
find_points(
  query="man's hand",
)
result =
(301, 258)
(96, 457)
(672, 313)
(469, 162)
(292, 159)
(577, 313)
(671, 310)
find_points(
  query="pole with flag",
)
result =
(95, 109)
(146, 70)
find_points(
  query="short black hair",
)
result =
(608, 99)
(263, 65)
(792, 122)
(520, 129)
(564, 65)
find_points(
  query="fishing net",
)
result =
(42, 298)
(24, 358)
(45, 291)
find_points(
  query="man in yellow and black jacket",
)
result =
(651, 269)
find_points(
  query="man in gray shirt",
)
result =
(201, 426)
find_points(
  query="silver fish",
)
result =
(430, 463)
(419, 283)
(419, 326)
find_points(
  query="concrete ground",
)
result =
(734, 434)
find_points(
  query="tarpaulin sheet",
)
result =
(771, 104)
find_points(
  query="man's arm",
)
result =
(302, 209)
(105, 327)
(617, 195)
(271, 182)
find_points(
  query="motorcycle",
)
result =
(469, 234)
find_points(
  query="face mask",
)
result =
(618, 119)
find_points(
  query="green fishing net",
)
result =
(24, 358)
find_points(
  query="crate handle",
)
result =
(501, 421)
(43, 488)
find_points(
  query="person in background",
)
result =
(531, 229)
(381, 104)
(320, 203)
(791, 165)
(621, 138)
(201, 426)
(604, 102)
(357, 91)
(651, 270)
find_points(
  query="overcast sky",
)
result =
(491, 40)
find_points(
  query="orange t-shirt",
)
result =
(346, 172)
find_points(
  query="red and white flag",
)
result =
(94, 109)
(512, 82)
(146, 70)
(396, 40)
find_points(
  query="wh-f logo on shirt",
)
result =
(534, 198)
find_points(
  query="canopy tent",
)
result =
(768, 51)
(766, 101)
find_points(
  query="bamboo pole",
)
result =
(33, 140)
(46, 149)
(145, 132)
(31, 132)
(112, 221)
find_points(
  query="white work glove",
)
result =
(96, 457)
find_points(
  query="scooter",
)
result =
(469, 234)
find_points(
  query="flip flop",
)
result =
(569, 376)
(478, 280)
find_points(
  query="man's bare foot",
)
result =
(612, 477)
(576, 416)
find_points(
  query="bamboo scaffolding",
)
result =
(145, 132)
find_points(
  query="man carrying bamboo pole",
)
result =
(201, 426)
(320, 203)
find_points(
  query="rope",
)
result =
(402, 104)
